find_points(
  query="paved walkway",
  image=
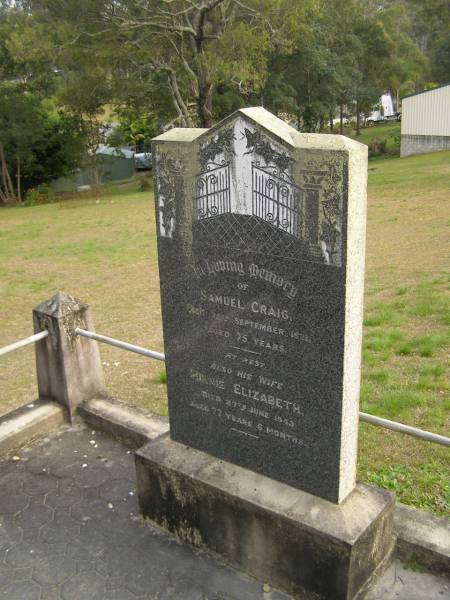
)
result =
(70, 530)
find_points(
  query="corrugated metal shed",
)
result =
(427, 113)
(114, 164)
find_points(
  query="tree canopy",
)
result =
(154, 64)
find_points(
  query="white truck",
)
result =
(385, 112)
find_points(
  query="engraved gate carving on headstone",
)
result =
(213, 191)
(275, 198)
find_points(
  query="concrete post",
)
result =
(68, 367)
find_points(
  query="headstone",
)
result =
(261, 233)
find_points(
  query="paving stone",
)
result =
(116, 489)
(62, 515)
(35, 500)
(89, 492)
(52, 570)
(22, 574)
(124, 509)
(121, 594)
(57, 549)
(91, 476)
(150, 580)
(21, 590)
(9, 530)
(93, 539)
(31, 536)
(6, 575)
(185, 588)
(77, 551)
(39, 484)
(5, 543)
(26, 554)
(102, 567)
(12, 503)
(34, 516)
(84, 585)
(87, 510)
(64, 498)
(51, 593)
(85, 565)
(57, 532)
(114, 583)
(68, 469)
(65, 484)
(128, 563)
(12, 482)
(37, 464)
(113, 556)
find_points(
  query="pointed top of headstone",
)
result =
(60, 305)
(272, 124)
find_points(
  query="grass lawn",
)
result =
(104, 252)
(385, 132)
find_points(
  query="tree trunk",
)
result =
(178, 98)
(6, 179)
(358, 125)
(204, 104)
(18, 180)
(331, 121)
(341, 119)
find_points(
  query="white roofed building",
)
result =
(426, 121)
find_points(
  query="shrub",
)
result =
(43, 194)
(146, 184)
(377, 147)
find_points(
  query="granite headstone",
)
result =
(261, 237)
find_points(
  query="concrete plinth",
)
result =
(307, 546)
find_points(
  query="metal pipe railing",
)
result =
(365, 417)
(29, 340)
(119, 344)
(378, 421)
(414, 431)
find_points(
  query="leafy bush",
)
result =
(42, 194)
(39, 143)
(146, 184)
(377, 147)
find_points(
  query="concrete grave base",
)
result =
(305, 545)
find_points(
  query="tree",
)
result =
(372, 62)
(137, 126)
(191, 46)
(407, 63)
(37, 144)
(314, 73)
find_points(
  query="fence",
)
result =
(61, 362)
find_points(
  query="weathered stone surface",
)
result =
(305, 545)
(68, 366)
(261, 255)
(130, 424)
(28, 422)
(123, 552)
(107, 553)
(423, 537)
